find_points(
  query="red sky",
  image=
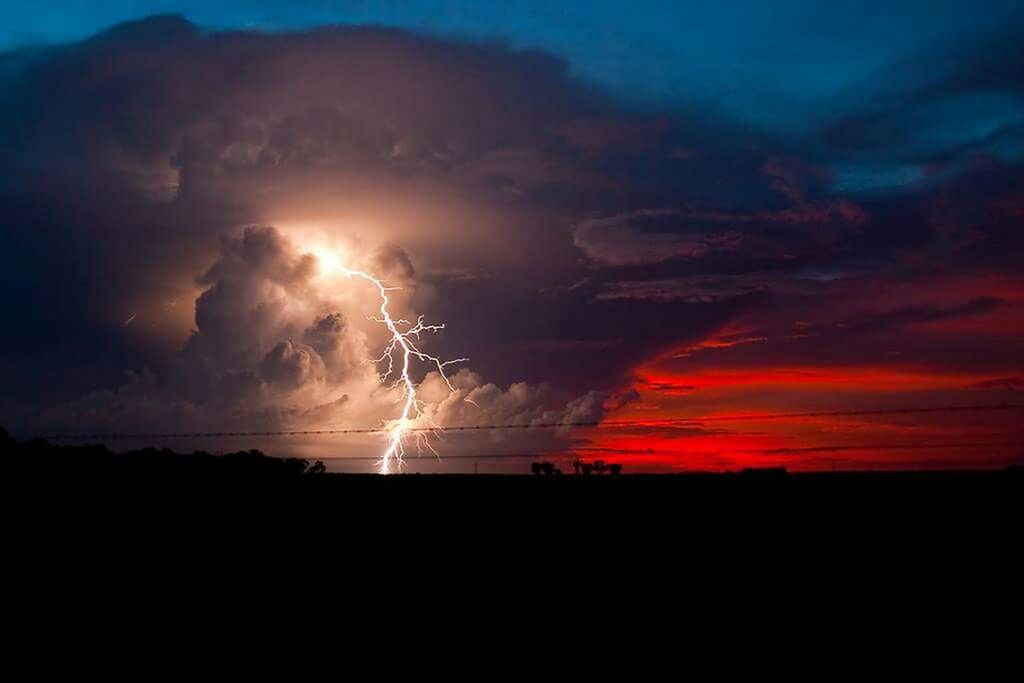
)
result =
(740, 373)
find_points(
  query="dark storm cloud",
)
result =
(1010, 383)
(154, 99)
(933, 117)
(564, 238)
(130, 153)
(878, 322)
(127, 156)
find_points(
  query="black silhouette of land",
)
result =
(153, 520)
(92, 477)
(159, 530)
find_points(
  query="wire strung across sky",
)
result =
(620, 454)
(668, 422)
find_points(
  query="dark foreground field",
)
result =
(85, 480)
(133, 517)
(168, 537)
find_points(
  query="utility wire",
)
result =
(668, 422)
(626, 455)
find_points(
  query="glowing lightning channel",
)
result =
(412, 407)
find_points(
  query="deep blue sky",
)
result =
(784, 65)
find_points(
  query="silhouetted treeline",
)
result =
(74, 492)
(39, 458)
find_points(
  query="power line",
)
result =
(626, 455)
(668, 422)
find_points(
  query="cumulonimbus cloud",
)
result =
(276, 346)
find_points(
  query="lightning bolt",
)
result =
(406, 344)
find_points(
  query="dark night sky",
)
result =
(680, 209)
